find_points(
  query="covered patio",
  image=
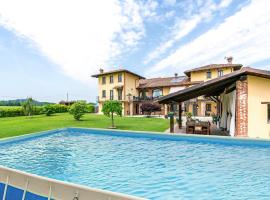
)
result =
(229, 92)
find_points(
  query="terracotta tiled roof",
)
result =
(213, 86)
(117, 71)
(214, 66)
(165, 82)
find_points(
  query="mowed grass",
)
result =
(14, 126)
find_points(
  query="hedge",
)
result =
(10, 111)
(18, 111)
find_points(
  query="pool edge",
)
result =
(153, 133)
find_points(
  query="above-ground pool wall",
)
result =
(21, 184)
(258, 92)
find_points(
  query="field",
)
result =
(14, 126)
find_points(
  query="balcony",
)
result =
(145, 98)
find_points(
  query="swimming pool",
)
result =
(147, 165)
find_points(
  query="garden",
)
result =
(28, 118)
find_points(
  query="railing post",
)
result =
(171, 124)
(171, 115)
(180, 115)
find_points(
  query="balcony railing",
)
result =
(145, 98)
(98, 98)
(132, 98)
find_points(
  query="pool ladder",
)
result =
(76, 197)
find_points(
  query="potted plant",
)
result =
(188, 116)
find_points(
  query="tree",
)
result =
(78, 109)
(28, 106)
(110, 108)
(150, 107)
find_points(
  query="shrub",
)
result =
(150, 107)
(90, 108)
(110, 108)
(78, 109)
(48, 110)
(58, 108)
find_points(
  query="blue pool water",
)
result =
(150, 166)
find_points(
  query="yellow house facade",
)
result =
(117, 85)
(202, 106)
(258, 107)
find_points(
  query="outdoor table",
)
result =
(198, 127)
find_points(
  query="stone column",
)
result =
(165, 109)
(131, 105)
(203, 108)
(241, 107)
(140, 110)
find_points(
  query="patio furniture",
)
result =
(198, 127)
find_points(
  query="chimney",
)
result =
(229, 59)
(175, 75)
(101, 70)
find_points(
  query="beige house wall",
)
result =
(258, 92)
(129, 82)
(201, 75)
(166, 91)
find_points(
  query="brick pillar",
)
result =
(241, 108)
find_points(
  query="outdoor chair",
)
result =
(198, 129)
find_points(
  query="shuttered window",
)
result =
(111, 94)
(103, 93)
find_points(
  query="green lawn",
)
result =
(13, 126)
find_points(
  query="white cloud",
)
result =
(245, 35)
(80, 36)
(185, 26)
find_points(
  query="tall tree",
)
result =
(28, 106)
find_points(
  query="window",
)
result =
(103, 79)
(157, 93)
(103, 93)
(111, 78)
(142, 94)
(208, 74)
(268, 113)
(119, 78)
(111, 94)
(208, 107)
(120, 94)
(220, 72)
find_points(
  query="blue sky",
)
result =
(49, 48)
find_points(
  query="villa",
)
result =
(134, 90)
(239, 96)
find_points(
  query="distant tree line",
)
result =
(20, 102)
